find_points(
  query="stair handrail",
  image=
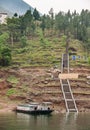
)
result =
(72, 95)
(64, 96)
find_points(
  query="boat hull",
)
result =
(36, 112)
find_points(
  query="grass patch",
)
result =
(43, 51)
(11, 92)
(13, 79)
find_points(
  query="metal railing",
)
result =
(71, 99)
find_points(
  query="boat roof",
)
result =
(47, 103)
(35, 104)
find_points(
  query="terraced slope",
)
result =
(37, 84)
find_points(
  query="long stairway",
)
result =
(66, 88)
(68, 96)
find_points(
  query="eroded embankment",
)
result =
(37, 84)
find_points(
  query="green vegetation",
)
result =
(5, 51)
(11, 92)
(89, 60)
(23, 41)
(13, 79)
(34, 40)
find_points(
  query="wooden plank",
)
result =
(68, 76)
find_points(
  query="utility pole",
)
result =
(65, 57)
(51, 12)
(67, 43)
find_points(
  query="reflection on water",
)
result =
(13, 121)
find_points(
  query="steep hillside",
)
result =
(31, 76)
(36, 84)
(47, 52)
(3, 10)
(14, 6)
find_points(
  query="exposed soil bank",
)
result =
(41, 84)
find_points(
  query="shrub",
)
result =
(13, 79)
(11, 92)
(89, 60)
(23, 41)
(5, 58)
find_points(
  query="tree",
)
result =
(26, 21)
(51, 12)
(3, 28)
(23, 41)
(22, 25)
(13, 25)
(60, 22)
(3, 39)
(36, 14)
(28, 17)
(43, 25)
(46, 23)
(5, 51)
(15, 15)
(5, 58)
(76, 24)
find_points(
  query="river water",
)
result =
(18, 121)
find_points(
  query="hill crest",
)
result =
(15, 6)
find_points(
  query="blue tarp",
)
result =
(73, 57)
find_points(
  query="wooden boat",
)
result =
(35, 108)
